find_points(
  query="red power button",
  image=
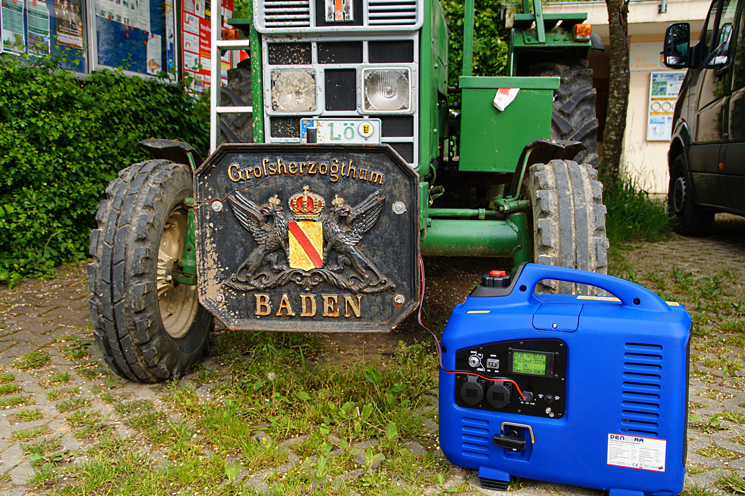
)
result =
(497, 273)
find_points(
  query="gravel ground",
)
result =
(38, 316)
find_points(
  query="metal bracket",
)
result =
(524, 426)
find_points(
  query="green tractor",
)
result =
(358, 166)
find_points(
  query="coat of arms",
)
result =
(309, 244)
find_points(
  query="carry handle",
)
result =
(631, 295)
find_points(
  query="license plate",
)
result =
(342, 131)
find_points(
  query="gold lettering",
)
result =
(334, 171)
(351, 170)
(311, 167)
(330, 305)
(263, 305)
(257, 171)
(322, 168)
(238, 176)
(284, 304)
(293, 168)
(272, 167)
(280, 165)
(305, 299)
(376, 177)
(343, 164)
(363, 174)
(263, 164)
(301, 165)
(349, 302)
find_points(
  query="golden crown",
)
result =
(274, 201)
(338, 201)
(306, 205)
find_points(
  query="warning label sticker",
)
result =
(642, 453)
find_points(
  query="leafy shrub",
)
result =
(62, 139)
(633, 214)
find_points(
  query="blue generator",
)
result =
(588, 391)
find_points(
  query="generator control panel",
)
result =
(538, 366)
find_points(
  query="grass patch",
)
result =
(732, 483)
(633, 214)
(27, 415)
(16, 401)
(29, 434)
(719, 453)
(6, 378)
(59, 377)
(42, 446)
(58, 393)
(71, 404)
(33, 360)
(6, 389)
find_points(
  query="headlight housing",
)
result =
(386, 90)
(293, 90)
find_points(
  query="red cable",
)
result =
(437, 341)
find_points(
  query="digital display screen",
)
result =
(528, 363)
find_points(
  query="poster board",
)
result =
(134, 35)
(196, 44)
(36, 27)
(664, 88)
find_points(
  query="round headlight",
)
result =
(293, 90)
(386, 90)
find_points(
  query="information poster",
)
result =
(196, 47)
(664, 88)
(69, 26)
(13, 32)
(38, 26)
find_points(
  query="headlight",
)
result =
(386, 90)
(293, 90)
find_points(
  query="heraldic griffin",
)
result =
(342, 228)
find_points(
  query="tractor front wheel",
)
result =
(148, 327)
(568, 220)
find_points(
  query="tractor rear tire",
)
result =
(568, 221)
(236, 128)
(573, 115)
(147, 328)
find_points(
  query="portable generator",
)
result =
(588, 391)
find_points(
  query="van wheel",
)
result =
(568, 221)
(686, 217)
(148, 328)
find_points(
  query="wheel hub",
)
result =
(679, 194)
(178, 304)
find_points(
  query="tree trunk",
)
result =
(618, 90)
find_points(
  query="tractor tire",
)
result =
(236, 128)
(686, 217)
(568, 221)
(147, 329)
(573, 115)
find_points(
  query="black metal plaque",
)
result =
(307, 237)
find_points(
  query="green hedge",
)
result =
(62, 139)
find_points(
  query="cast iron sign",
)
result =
(307, 237)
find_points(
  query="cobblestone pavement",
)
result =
(40, 316)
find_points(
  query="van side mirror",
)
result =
(677, 45)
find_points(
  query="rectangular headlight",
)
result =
(386, 89)
(293, 90)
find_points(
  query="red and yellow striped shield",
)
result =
(306, 245)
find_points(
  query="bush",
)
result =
(633, 214)
(62, 139)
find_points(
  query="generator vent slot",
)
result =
(641, 396)
(392, 12)
(286, 13)
(475, 438)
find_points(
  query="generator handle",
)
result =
(631, 295)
